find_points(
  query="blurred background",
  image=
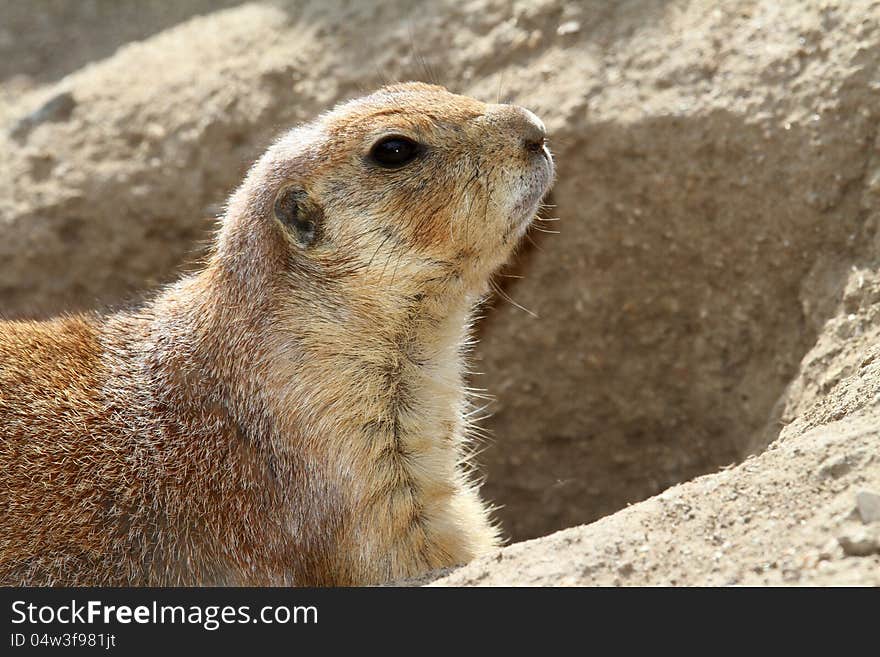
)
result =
(718, 179)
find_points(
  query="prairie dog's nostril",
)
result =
(532, 128)
(534, 144)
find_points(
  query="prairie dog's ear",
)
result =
(301, 217)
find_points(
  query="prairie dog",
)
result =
(294, 413)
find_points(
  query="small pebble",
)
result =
(868, 505)
(859, 542)
(57, 108)
(835, 467)
(568, 27)
(828, 550)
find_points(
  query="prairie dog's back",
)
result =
(53, 444)
(43, 363)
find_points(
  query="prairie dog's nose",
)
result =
(524, 124)
(534, 134)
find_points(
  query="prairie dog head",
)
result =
(410, 186)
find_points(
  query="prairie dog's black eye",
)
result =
(394, 152)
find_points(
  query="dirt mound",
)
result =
(800, 513)
(806, 511)
(719, 181)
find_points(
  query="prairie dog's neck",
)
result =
(383, 357)
(371, 393)
(356, 399)
(393, 402)
(316, 362)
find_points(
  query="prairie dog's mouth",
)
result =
(532, 186)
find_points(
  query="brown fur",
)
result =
(293, 414)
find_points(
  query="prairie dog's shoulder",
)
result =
(48, 368)
(63, 345)
(52, 337)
